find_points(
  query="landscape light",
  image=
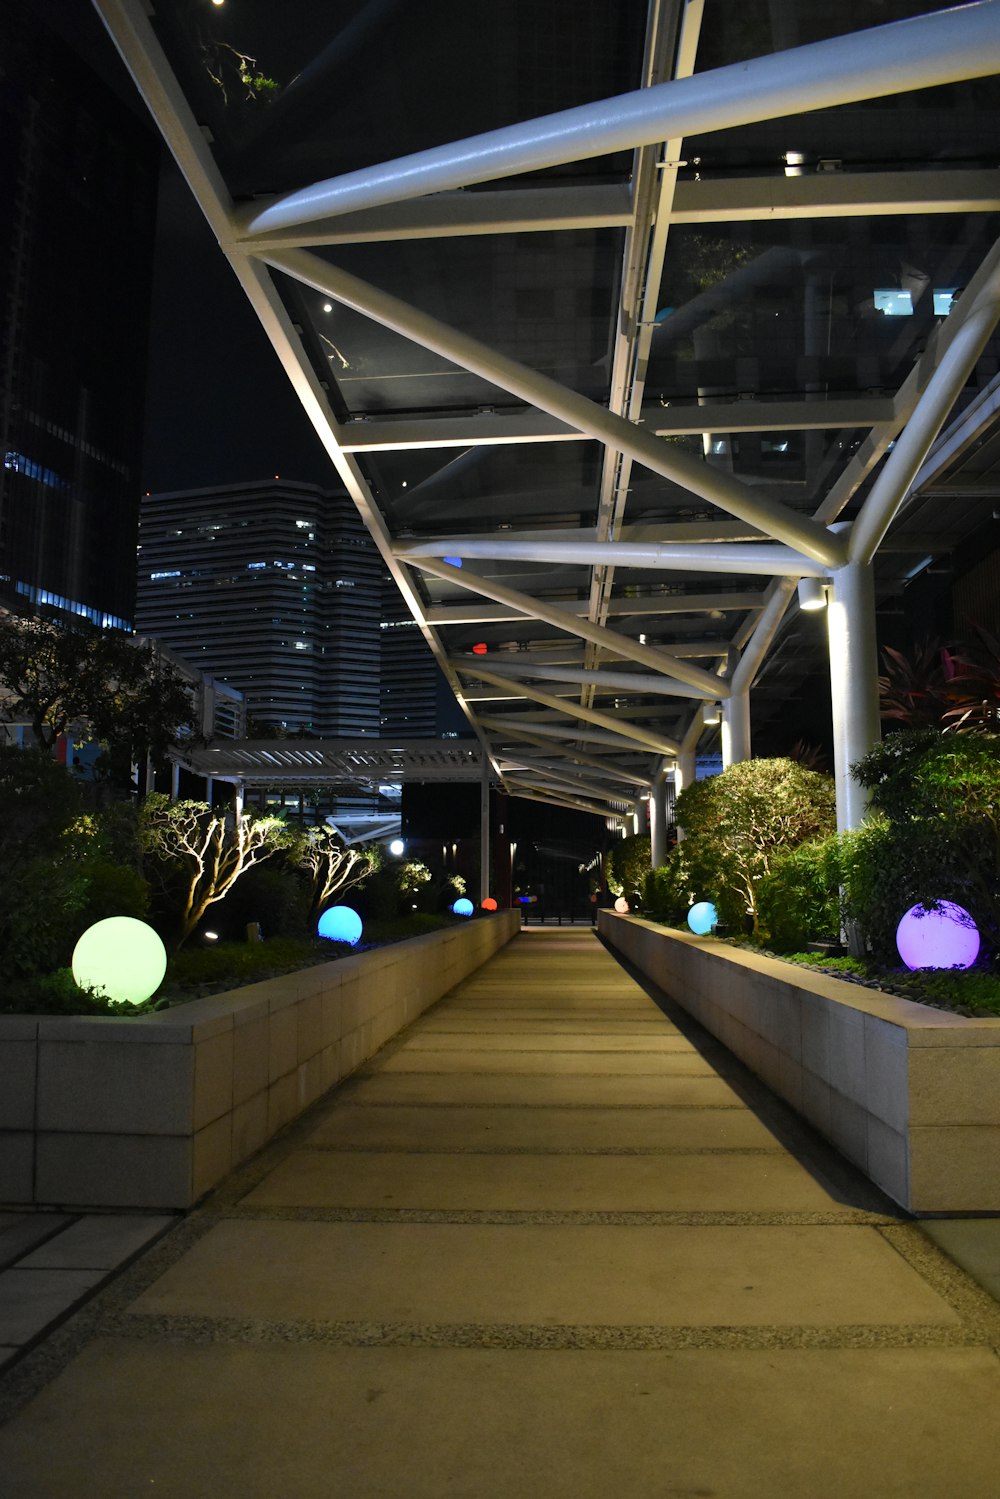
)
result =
(489, 904)
(340, 924)
(943, 938)
(621, 906)
(463, 907)
(122, 958)
(452, 561)
(702, 917)
(397, 847)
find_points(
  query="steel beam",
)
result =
(497, 727)
(601, 681)
(573, 709)
(448, 215)
(923, 52)
(672, 603)
(763, 558)
(836, 194)
(929, 416)
(496, 428)
(560, 619)
(596, 421)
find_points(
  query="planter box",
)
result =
(908, 1093)
(153, 1111)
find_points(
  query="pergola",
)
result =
(631, 329)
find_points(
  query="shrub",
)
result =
(937, 836)
(274, 897)
(626, 865)
(798, 901)
(740, 822)
(667, 890)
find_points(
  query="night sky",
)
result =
(219, 408)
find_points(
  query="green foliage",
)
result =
(739, 823)
(102, 684)
(667, 890)
(798, 900)
(936, 835)
(112, 890)
(626, 865)
(57, 994)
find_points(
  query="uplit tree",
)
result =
(197, 854)
(332, 867)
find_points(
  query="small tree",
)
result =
(626, 866)
(332, 867)
(738, 823)
(199, 854)
(100, 683)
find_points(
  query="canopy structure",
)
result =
(629, 328)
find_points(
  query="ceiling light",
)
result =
(711, 713)
(812, 594)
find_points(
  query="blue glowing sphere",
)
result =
(702, 917)
(463, 907)
(340, 924)
(946, 938)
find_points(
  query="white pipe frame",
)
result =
(922, 52)
(389, 201)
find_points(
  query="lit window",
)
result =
(892, 302)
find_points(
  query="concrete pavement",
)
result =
(553, 1241)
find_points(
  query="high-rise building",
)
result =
(78, 175)
(274, 587)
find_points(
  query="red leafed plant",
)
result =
(955, 688)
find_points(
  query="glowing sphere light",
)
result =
(945, 938)
(122, 958)
(463, 907)
(621, 906)
(489, 904)
(340, 924)
(397, 847)
(702, 917)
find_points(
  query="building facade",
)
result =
(78, 175)
(275, 588)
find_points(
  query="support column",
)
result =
(238, 800)
(658, 820)
(484, 829)
(175, 781)
(853, 684)
(735, 728)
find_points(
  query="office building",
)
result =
(78, 170)
(274, 587)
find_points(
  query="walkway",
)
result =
(544, 1246)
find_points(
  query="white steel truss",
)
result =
(573, 582)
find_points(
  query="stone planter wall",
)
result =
(152, 1111)
(910, 1094)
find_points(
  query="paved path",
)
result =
(543, 1246)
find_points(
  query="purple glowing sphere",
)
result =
(943, 938)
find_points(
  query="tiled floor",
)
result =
(50, 1262)
(552, 1242)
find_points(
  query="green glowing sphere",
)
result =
(122, 958)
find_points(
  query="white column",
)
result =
(238, 799)
(175, 781)
(736, 728)
(658, 820)
(853, 684)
